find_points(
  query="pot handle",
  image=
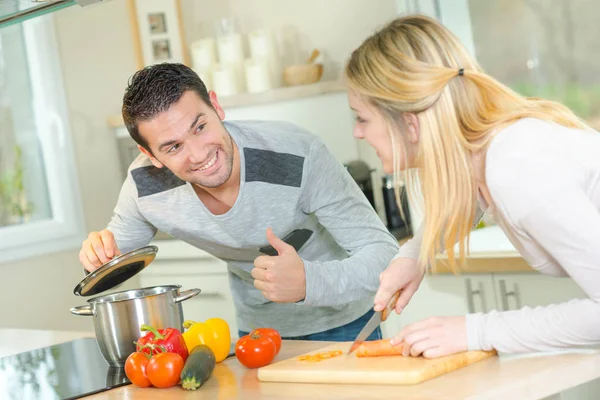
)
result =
(82, 310)
(186, 295)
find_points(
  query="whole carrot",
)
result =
(378, 348)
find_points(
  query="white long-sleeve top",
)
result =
(544, 181)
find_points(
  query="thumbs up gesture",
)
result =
(280, 278)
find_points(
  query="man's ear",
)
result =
(215, 103)
(153, 159)
(411, 121)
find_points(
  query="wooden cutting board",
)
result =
(349, 369)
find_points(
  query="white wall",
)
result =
(328, 116)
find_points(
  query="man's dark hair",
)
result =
(153, 90)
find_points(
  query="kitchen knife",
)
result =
(374, 322)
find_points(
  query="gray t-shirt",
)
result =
(289, 180)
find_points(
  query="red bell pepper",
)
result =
(169, 340)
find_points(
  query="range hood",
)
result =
(15, 11)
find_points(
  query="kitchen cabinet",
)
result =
(449, 295)
(445, 295)
(514, 291)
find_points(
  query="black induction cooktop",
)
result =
(64, 371)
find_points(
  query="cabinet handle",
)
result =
(504, 295)
(471, 296)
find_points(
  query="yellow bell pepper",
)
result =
(213, 332)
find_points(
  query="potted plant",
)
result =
(15, 209)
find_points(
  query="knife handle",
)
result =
(390, 306)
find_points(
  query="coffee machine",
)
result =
(361, 173)
(399, 227)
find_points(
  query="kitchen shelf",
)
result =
(282, 94)
(271, 96)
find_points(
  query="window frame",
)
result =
(65, 229)
(453, 14)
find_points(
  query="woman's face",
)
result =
(372, 126)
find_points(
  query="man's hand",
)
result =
(280, 278)
(98, 249)
(402, 273)
(433, 337)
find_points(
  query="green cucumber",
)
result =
(198, 367)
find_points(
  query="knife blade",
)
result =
(374, 322)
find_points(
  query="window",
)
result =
(542, 48)
(537, 47)
(40, 209)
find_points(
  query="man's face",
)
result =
(190, 140)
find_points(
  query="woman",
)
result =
(425, 105)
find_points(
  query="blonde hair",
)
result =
(412, 65)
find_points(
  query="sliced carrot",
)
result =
(329, 354)
(378, 348)
(320, 356)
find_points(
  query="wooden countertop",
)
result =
(487, 262)
(505, 377)
(490, 251)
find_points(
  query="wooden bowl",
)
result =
(302, 74)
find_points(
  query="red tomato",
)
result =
(255, 350)
(136, 366)
(164, 369)
(271, 334)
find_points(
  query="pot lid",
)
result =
(116, 271)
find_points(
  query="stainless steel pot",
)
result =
(118, 317)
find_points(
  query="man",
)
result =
(231, 188)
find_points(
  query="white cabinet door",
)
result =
(585, 391)
(445, 295)
(514, 291)
(213, 301)
(178, 263)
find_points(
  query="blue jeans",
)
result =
(344, 333)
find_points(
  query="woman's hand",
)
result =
(433, 337)
(402, 273)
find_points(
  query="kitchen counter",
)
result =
(489, 251)
(486, 262)
(541, 376)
